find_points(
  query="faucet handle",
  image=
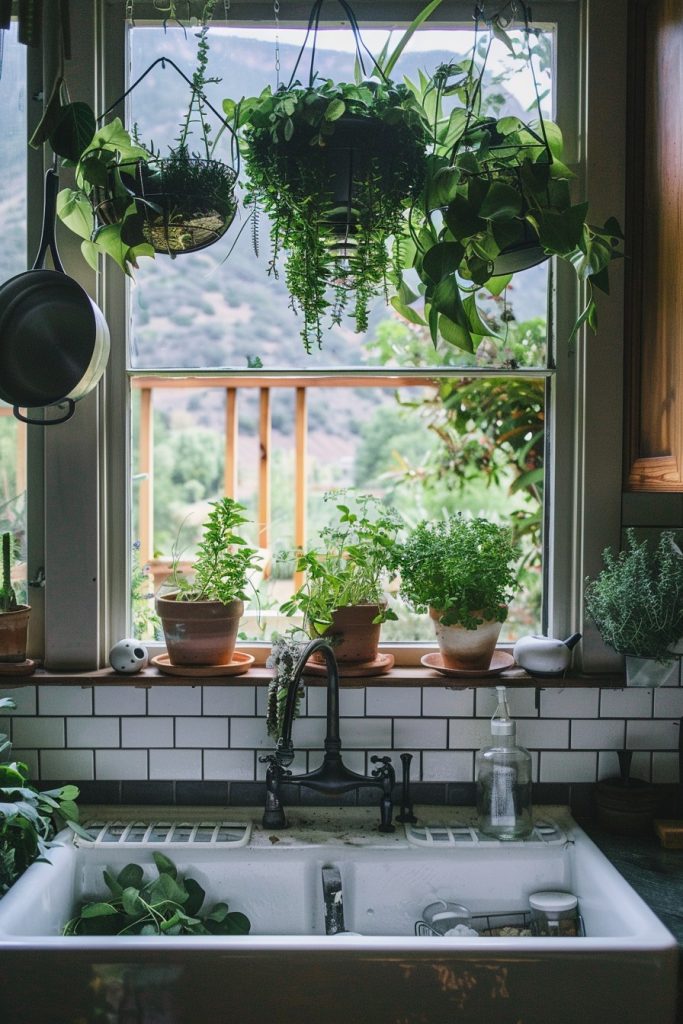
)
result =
(274, 764)
(385, 769)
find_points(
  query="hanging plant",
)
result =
(496, 200)
(334, 166)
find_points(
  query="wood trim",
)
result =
(264, 471)
(146, 467)
(231, 443)
(300, 475)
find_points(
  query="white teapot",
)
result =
(543, 655)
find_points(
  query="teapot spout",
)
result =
(572, 641)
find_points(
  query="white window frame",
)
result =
(79, 473)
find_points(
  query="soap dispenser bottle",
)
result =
(504, 779)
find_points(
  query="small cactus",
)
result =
(8, 599)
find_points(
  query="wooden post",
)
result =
(300, 474)
(231, 440)
(146, 470)
(264, 473)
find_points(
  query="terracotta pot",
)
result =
(626, 807)
(14, 635)
(466, 648)
(199, 632)
(355, 635)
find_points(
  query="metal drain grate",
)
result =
(435, 836)
(166, 833)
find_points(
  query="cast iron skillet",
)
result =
(54, 340)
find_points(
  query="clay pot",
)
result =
(199, 632)
(466, 648)
(355, 636)
(626, 807)
(14, 635)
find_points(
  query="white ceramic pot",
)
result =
(466, 648)
(648, 672)
(543, 655)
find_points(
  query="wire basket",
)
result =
(504, 924)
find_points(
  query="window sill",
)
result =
(261, 676)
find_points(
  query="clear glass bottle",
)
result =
(504, 779)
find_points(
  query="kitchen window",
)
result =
(89, 467)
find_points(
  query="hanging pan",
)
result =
(54, 340)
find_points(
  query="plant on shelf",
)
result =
(636, 601)
(496, 200)
(166, 905)
(346, 575)
(334, 166)
(29, 819)
(462, 572)
(14, 617)
(200, 617)
(129, 200)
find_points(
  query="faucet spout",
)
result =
(332, 777)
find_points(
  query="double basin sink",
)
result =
(331, 869)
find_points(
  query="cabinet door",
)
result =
(654, 228)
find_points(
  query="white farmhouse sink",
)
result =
(289, 970)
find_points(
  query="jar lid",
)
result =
(552, 901)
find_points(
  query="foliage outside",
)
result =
(636, 601)
(221, 568)
(460, 568)
(351, 567)
(166, 905)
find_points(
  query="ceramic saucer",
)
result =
(382, 663)
(240, 663)
(17, 668)
(499, 662)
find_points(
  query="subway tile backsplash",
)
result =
(184, 736)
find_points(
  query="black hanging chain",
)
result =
(314, 25)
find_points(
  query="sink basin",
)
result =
(288, 969)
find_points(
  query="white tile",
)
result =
(668, 702)
(251, 733)
(447, 766)
(631, 702)
(120, 764)
(570, 703)
(5, 726)
(175, 764)
(521, 701)
(65, 700)
(93, 732)
(469, 733)
(201, 732)
(353, 759)
(423, 733)
(38, 732)
(175, 700)
(393, 701)
(641, 765)
(120, 700)
(230, 700)
(438, 700)
(24, 698)
(664, 767)
(366, 734)
(608, 765)
(541, 734)
(598, 735)
(566, 766)
(351, 702)
(645, 735)
(71, 765)
(228, 764)
(146, 732)
(30, 759)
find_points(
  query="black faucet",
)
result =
(332, 777)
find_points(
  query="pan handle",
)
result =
(47, 238)
(47, 423)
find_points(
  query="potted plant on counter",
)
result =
(636, 602)
(14, 617)
(460, 571)
(344, 593)
(200, 615)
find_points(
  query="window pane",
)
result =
(13, 152)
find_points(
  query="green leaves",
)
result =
(73, 131)
(165, 905)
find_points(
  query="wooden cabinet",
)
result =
(654, 248)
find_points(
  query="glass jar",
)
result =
(554, 913)
(442, 917)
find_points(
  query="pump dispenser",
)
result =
(504, 779)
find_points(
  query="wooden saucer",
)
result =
(240, 663)
(499, 662)
(17, 668)
(382, 663)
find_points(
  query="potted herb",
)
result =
(14, 617)
(636, 602)
(129, 200)
(496, 200)
(201, 616)
(461, 572)
(344, 593)
(334, 166)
